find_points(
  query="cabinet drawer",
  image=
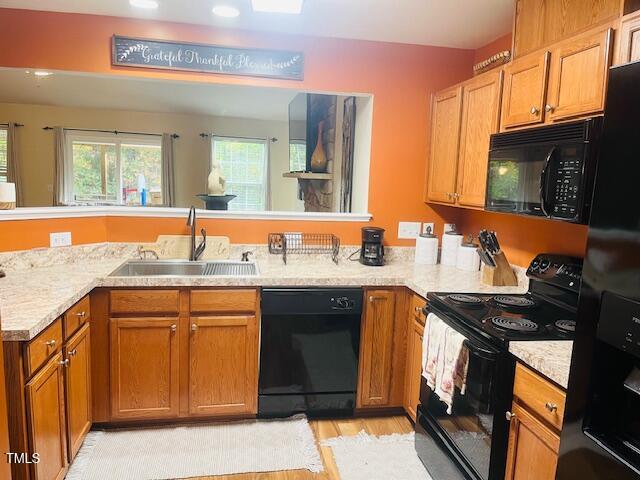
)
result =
(417, 304)
(240, 300)
(543, 398)
(42, 347)
(76, 316)
(145, 301)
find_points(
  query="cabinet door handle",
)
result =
(194, 327)
(65, 362)
(549, 108)
(418, 310)
(551, 407)
(174, 328)
(50, 343)
(81, 314)
(509, 416)
(535, 111)
(373, 299)
(73, 352)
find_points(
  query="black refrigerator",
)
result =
(601, 434)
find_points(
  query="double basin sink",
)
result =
(173, 268)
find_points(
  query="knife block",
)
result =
(502, 275)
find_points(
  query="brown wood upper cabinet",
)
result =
(578, 75)
(628, 39)
(446, 110)
(566, 82)
(223, 365)
(480, 118)
(144, 367)
(463, 119)
(539, 23)
(46, 425)
(525, 89)
(535, 422)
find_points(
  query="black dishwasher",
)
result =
(309, 346)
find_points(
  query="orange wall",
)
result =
(523, 237)
(498, 45)
(401, 78)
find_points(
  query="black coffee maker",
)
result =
(372, 251)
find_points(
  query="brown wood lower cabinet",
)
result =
(382, 349)
(144, 368)
(46, 426)
(534, 432)
(223, 365)
(78, 388)
(177, 365)
(414, 359)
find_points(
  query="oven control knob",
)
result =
(544, 265)
(343, 303)
(535, 264)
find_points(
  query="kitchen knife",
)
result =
(485, 257)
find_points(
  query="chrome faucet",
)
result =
(196, 252)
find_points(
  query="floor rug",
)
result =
(197, 450)
(367, 457)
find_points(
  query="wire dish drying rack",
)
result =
(309, 243)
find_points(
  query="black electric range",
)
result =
(470, 443)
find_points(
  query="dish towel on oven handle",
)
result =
(445, 359)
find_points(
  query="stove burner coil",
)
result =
(523, 325)
(466, 300)
(513, 301)
(568, 326)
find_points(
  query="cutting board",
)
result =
(179, 247)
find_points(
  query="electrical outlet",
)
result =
(409, 230)
(448, 227)
(60, 239)
(428, 225)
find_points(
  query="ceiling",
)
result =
(145, 95)
(451, 23)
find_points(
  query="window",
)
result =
(244, 166)
(3, 154)
(113, 169)
(297, 155)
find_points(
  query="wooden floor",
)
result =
(324, 429)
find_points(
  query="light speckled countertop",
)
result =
(36, 291)
(551, 358)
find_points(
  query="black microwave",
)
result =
(545, 171)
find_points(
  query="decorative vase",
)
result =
(319, 159)
(216, 183)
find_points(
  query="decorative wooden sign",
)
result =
(197, 57)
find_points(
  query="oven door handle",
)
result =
(543, 181)
(478, 351)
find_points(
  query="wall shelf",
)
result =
(308, 175)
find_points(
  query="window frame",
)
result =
(105, 138)
(266, 181)
(5, 128)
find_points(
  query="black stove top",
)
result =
(508, 317)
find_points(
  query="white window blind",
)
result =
(244, 166)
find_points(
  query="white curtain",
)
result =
(168, 178)
(13, 163)
(59, 173)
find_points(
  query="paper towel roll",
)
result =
(451, 241)
(468, 258)
(427, 249)
(7, 195)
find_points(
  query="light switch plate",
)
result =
(60, 239)
(428, 224)
(409, 230)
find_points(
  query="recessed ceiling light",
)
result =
(277, 6)
(144, 3)
(42, 73)
(226, 11)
